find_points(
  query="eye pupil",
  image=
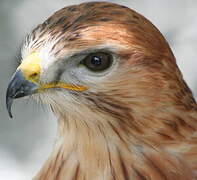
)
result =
(98, 61)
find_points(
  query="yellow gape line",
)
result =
(62, 85)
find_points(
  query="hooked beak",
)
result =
(25, 81)
(18, 87)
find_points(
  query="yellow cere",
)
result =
(30, 67)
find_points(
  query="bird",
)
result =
(123, 109)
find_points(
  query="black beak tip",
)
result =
(9, 102)
(10, 114)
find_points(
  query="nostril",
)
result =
(34, 75)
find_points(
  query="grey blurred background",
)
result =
(27, 139)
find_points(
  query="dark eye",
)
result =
(97, 61)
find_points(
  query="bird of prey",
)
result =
(124, 111)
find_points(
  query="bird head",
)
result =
(98, 57)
